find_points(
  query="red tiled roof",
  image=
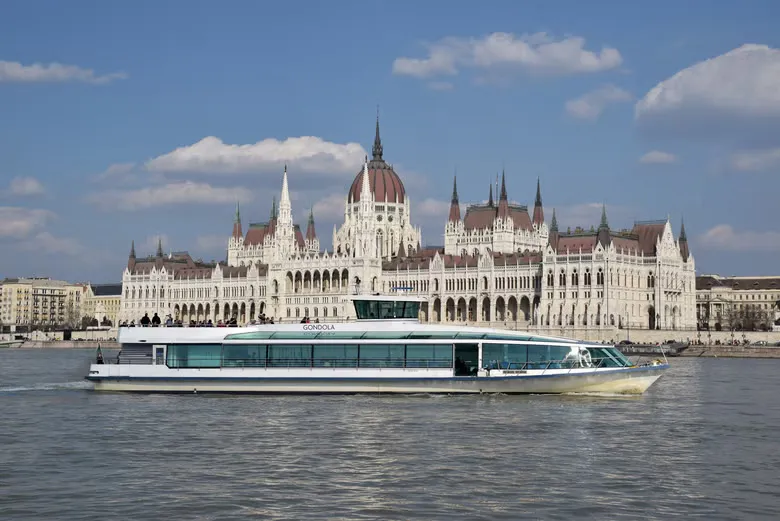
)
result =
(481, 216)
(383, 180)
(648, 234)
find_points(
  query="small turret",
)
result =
(490, 197)
(237, 234)
(131, 257)
(538, 208)
(604, 236)
(159, 254)
(454, 204)
(503, 201)
(554, 235)
(683, 241)
(311, 233)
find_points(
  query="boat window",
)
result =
(376, 355)
(194, 355)
(429, 355)
(341, 335)
(386, 309)
(601, 357)
(498, 336)
(504, 356)
(243, 355)
(615, 352)
(335, 355)
(289, 355)
(294, 335)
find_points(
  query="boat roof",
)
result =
(364, 329)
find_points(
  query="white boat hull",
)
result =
(618, 381)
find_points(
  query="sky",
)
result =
(130, 121)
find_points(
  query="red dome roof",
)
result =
(383, 181)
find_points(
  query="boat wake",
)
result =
(53, 386)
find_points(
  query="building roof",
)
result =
(106, 290)
(705, 282)
(384, 182)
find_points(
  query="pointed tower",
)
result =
(490, 197)
(131, 257)
(284, 232)
(401, 250)
(454, 204)
(604, 237)
(311, 233)
(237, 234)
(683, 242)
(538, 219)
(159, 253)
(503, 200)
(553, 238)
(377, 149)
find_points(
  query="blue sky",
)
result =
(128, 121)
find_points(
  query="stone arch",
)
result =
(512, 308)
(316, 281)
(307, 280)
(437, 310)
(193, 315)
(298, 285)
(486, 315)
(424, 312)
(485, 283)
(472, 309)
(461, 310)
(500, 309)
(289, 282)
(436, 284)
(450, 310)
(525, 308)
(242, 313)
(252, 310)
(344, 279)
(176, 312)
(334, 280)
(375, 285)
(675, 314)
(199, 315)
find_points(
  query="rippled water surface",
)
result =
(703, 442)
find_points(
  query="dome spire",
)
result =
(377, 150)
(538, 208)
(454, 205)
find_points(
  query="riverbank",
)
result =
(65, 344)
(730, 352)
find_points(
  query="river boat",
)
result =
(11, 343)
(386, 350)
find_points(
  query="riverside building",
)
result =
(501, 265)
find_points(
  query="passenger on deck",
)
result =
(156, 320)
(99, 356)
(145, 320)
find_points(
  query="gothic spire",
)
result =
(273, 209)
(490, 198)
(377, 150)
(538, 208)
(237, 223)
(311, 233)
(604, 223)
(159, 247)
(132, 250)
(285, 199)
(454, 205)
(683, 242)
(503, 196)
(554, 223)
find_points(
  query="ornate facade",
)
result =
(500, 265)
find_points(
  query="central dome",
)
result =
(383, 180)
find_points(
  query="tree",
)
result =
(72, 319)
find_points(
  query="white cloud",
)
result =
(537, 53)
(657, 157)
(306, 154)
(744, 82)
(46, 243)
(25, 186)
(591, 105)
(53, 72)
(115, 171)
(16, 222)
(170, 194)
(726, 238)
(756, 160)
(330, 208)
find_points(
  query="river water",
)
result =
(702, 442)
